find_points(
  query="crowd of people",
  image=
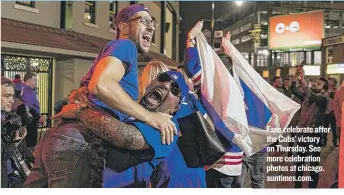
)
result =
(321, 103)
(122, 130)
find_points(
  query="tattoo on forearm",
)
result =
(112, 130)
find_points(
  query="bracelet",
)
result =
(192, 41)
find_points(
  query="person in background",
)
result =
(330, 119)
(338, 104)
(29, 97)
(18, 86)
(338, 101)
(312, 113)
(286, 86)
(221, 174)
(277, 84)
(16, 158)
(253, 165)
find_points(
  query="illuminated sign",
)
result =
(335, 69)
(334, 41)
(312, 70)
(296, 31)
(309, 70)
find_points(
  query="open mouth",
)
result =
(155, 98)
(147, 39)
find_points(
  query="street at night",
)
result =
(172, 94)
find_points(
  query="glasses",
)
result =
(175, 89)
(146, 21)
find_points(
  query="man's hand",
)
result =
(194, 32)
(24, 132)
(17, 137)
(78, 96)
(225, 43)
(163, 123)
(68, 111)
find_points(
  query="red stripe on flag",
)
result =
(229, 163)
(196, 79)
(232, 157)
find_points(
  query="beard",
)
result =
(316, 90)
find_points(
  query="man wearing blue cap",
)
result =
(113, 81)
(80, 165)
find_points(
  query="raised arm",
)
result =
(192, 64)
(294, 90)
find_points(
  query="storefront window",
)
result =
(317, 57)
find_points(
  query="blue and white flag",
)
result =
(247, 104)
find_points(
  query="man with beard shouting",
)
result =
(69, 155)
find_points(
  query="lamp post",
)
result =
(212, 24)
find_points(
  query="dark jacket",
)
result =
(312, 111)
(7, 148)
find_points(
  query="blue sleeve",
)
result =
(153, 139)
(192, 64)
(124, 50)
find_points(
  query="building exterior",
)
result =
(59, 40)
(333, 58)
(240, 20)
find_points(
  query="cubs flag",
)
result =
(246, 103)
(222, 98)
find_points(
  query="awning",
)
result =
(21, 34)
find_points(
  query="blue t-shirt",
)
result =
(181, 176)
(126, 51)
(139, 175)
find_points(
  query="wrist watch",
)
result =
(79, 107)
(193, 41)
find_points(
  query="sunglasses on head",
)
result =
(175, 89)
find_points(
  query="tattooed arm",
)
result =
(102, 124)
(112, 130)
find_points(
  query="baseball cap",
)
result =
(178, 78)
(324, 80)
(126, 13)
